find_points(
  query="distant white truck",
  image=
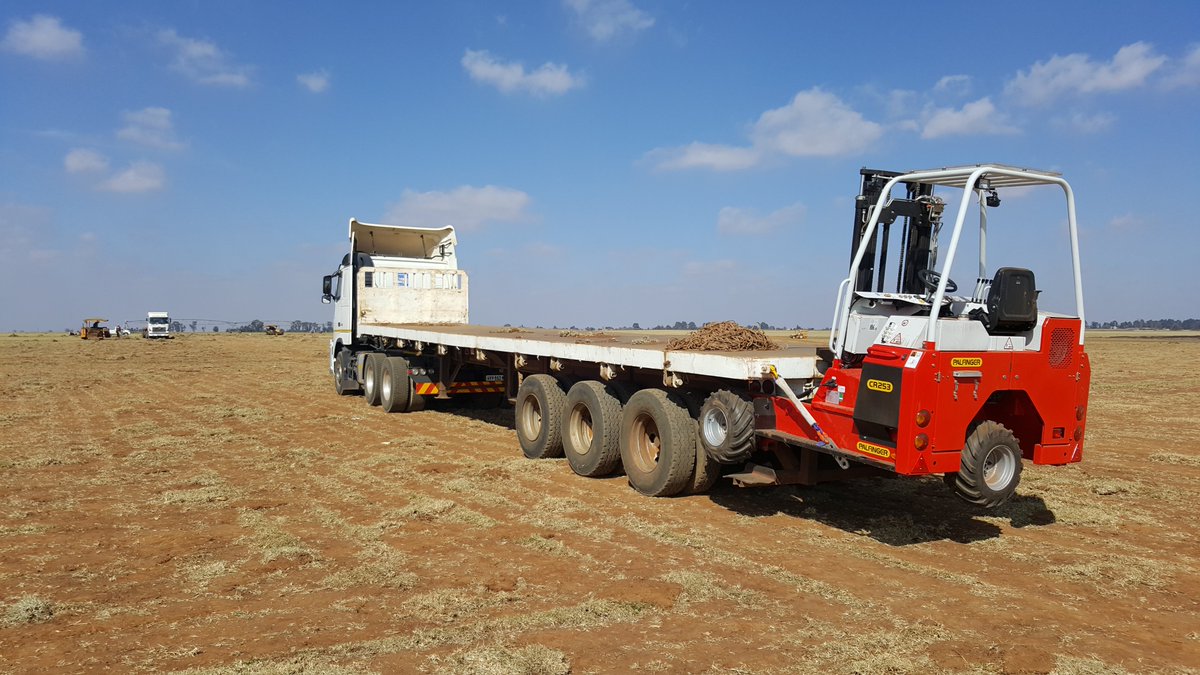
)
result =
(158, 325)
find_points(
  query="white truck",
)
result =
(158, 325)
(967, 390)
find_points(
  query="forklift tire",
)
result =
(991, 466)
(343, 383)
(658, 443)
(727, 427)
(395, 386)
(591, 425)
(372, 373)
(539, 412)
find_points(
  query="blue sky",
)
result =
(606, 161)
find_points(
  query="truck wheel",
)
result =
(591, 425)
(539, 410)
(343, 381)
(395, 386)
(707, 469)
(371, 377)
(658, 443)
(727, 427)
(416, 402)
(991, 466)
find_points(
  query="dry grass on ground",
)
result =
(209, 505)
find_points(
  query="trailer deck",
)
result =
(795, 359)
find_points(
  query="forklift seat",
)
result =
(1011, 302)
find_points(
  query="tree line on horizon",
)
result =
(1149, 324)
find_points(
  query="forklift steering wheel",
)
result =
(931, 280)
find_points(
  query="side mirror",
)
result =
(327, 286)
(325, 299)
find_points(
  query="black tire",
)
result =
(726, 427)
(658, 443)
(343, 373)
(991, 466)
(707, 471)
(372, 373)
(416, 402)
(395, 386)
(591, 426)
(538, 413)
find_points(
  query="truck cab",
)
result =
(158, 325)
(396, 275)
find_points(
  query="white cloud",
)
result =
(141, 176)
(704, 156)
(606, 19)
(43, 37)
(956, 85)
(151, 127)
(1078, 74)
(1088, 124)
(814, 124)
(547, 79)
(82, 160)
(1127, 222)
(1187, 72)
(316, 82)
(977, 117)
(465, 207)
(203, 61)
(731, 220)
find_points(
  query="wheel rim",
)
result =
(999, 467)
(530, 419)
(715, 427)
(580, 429)
(645, 443)
(369, 377)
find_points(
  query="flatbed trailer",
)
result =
(967, 390)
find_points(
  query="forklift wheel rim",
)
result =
(999, 467)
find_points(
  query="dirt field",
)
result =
(209, 504)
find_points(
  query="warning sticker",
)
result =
(913, 359)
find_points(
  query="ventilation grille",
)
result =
(1061, 343)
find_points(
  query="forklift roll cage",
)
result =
(980, 180)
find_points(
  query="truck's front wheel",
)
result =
(658, 443)
(539, 408)
(343, 379)
(991, 466)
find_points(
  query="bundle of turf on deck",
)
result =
(723, 336)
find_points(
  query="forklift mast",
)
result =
(921, 214)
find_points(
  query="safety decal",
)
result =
(966, 362)
(913, 359)
(876, 450)
(431, 388)
(879, 385)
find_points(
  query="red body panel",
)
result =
(1041, 396)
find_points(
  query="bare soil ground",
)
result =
(209, 505)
